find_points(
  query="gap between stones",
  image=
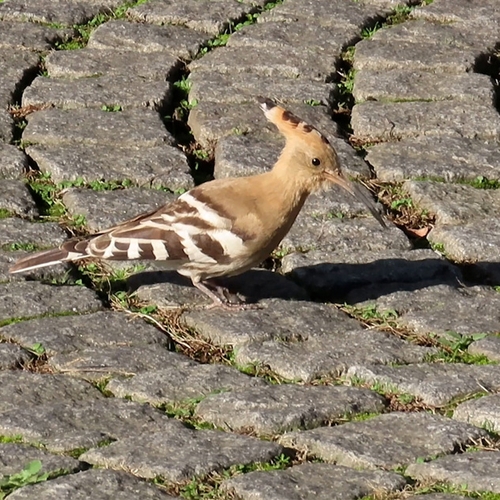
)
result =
(390, 195)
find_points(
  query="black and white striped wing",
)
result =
(187, 230)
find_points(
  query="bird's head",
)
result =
(314, 161)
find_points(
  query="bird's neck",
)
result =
(294, 182)
(286, 192)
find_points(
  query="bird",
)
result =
(223, 227)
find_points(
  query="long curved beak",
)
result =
(356, 191)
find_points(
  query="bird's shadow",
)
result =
(252, 286)
(335, 282)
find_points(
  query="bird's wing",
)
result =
(186, 230)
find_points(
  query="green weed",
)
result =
(399, 15)
(184, 411)
(208, 487)
(438, 247)
(402, 202)
(312, 102)
(12, 439)
(183, 85)
(37, 349)
(370, 31)
(29, 475)
(238, 131)
(111, 108)
(14, 247)
(109, 281)
(454, 349)
(481, 182)
(370, 315)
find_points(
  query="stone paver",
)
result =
(486, 14)
(282, 62)
(216, 87)
(476, 244)
(13, 457)
(328, 14)
(17, 199)
(331, 226)
(205, 16)
(124, 91)
(19, 65)
(377, 121)
(478, 470)
(483, 412)
(22, 389)
(400, 85)
(438, 33)
(273, 292)
(164, 165)
(178, 454)
(28, 299)
(380, 54)
(313, 481)
(146, 38)
(275, 409)
(181, 381)
(68, 425)
(279, 319)
(434, 384)
(488, 346)
(97, 363)
(31, 36)
(103, 209)
(13, 163)
(447, 308)
(133, 128)
(454, 204)
(447, 158)
(90, 63)
(328, 354)
(12, 356)
(98, 484)
(14, 230)
(385, 441)
(6, 126)
(59, 11)
(66, 334)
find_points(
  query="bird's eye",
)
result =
(316, 162)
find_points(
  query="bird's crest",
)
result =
(289, 124)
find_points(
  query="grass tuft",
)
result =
(30, 474)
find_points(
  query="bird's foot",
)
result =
(220, 298)
(233, 306)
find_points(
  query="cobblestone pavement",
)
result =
(370, 369)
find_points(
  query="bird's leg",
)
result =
(221, 299)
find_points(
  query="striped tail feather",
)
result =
(45, 258)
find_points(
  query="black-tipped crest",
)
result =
(266, 104)
(287, 122)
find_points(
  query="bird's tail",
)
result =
(47, 258)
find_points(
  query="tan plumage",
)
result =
(226, 226)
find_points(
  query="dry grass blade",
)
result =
(401, 209)
(19, 113)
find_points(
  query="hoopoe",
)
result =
(223, 227)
